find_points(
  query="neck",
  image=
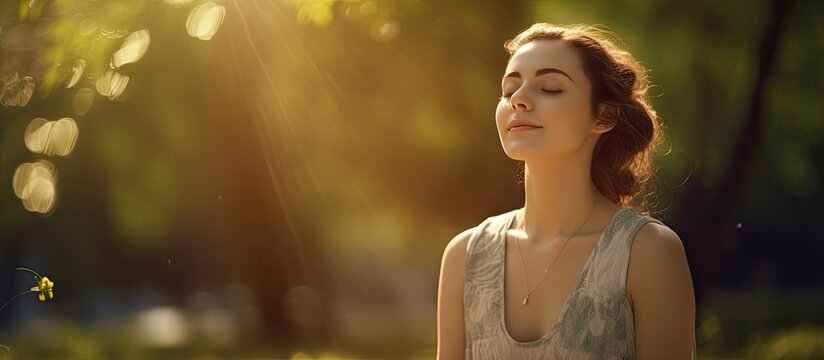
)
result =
(559, 200)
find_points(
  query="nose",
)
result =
(519, 102)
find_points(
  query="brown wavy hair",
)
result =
(622, 162)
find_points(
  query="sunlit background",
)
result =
(278, 179)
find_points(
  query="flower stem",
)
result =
(15, 297)
(31, 271)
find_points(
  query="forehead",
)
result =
(539, 54)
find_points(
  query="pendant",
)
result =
(526, 299)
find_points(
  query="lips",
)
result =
(518, 125)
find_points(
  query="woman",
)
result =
(553, 279)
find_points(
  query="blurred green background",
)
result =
(279, 178)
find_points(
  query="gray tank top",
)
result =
(596, 321)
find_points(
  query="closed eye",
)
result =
(544, 90)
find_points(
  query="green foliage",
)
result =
(803, 342)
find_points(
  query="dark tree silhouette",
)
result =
(712, 234)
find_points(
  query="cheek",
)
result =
(501, 113)
(571, 112)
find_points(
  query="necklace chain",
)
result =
(529, 290)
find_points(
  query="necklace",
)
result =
(529, 290)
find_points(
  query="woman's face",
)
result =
(545, 86)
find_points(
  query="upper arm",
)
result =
(661, 293)
(451, 334)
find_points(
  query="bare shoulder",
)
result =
(657, 240)
(659, 281)
(657, 254)
(455, 251)
(451, 333)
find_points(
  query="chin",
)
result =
(523, 153)
(535, 152)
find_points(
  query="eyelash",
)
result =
(546, 91)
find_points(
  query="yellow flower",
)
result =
(44, 285)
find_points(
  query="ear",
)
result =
(606, 118)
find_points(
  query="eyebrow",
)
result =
(540, 72)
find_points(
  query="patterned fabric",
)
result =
(596, 321)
